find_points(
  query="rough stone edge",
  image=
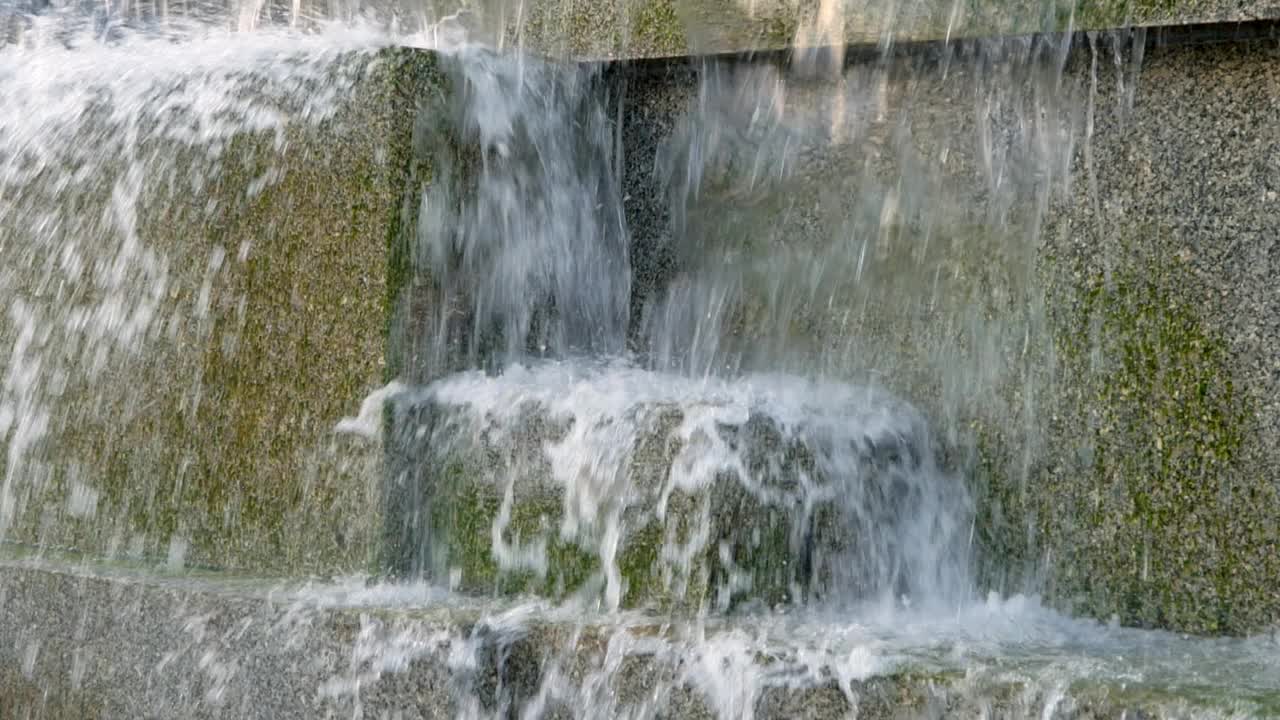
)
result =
(84, 644)
(655, 29)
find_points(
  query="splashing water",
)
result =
(845, 474)
(102, 138)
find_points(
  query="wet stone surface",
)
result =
(1061, 252)
(149, 645)
(202, 252)
(652, 502)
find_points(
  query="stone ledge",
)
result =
(702, 496)
(86, 642)
(635, 29)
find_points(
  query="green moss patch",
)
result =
(1153, 513)
(465, 513)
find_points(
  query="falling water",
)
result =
(532, 264)
(770, 389)
(112, 157)
(840, 479)
(529, 256)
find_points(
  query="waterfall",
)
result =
(373, 364)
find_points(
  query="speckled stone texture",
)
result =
(769, 534)
(1161, 506)
(88, 644)
(630, 29)
(1101, 362)
(215, 445)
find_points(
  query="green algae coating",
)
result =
(655, 25)
(1096, 14)
(464, 515)
(467, 515)
(481, 509)
(1005, 519)
(217, 447)
(468, 501)
(1153, 515)
(1149, 501)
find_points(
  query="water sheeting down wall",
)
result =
(196, 241)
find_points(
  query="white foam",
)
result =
(368, 423)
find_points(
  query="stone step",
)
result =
(92, 641)
(563, 478)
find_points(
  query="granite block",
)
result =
(84, 641)
(206, 434)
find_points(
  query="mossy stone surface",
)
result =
(1107, 379)
(1147, 496)
(215, 445)
(1158, 506)
(1157, 484)
(479, 506)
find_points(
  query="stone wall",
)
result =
(632, 29)
(629, 29)
(1160, 505)
(209, 647)
(1062, 256)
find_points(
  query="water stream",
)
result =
(768, 387)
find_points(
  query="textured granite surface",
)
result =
(1068, 269)
(621, 29)
(632, 29)
(95, 644)
(1162, 505)
(216, 444)
(480, 503)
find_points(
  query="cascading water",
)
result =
(729, 450)
(113, 157)
(529, 256)
(532, 265)
(647, 476)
